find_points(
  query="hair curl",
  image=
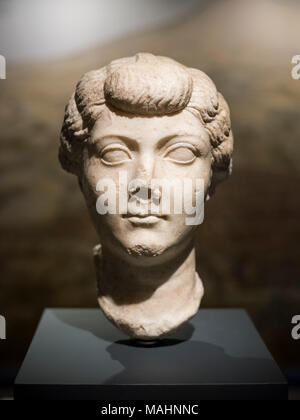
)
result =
(147, 85)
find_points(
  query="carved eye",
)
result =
(181, 153)
(115, 154)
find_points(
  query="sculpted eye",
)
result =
(181, 153)
(115, 154)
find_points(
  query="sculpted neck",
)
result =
(147, 302)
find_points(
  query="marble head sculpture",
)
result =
(148, 117)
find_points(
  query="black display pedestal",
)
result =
(78, 354)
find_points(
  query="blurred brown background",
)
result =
(248, 247)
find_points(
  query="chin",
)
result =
(144, 246)
(144, 250)
(142, 257)
(148, 253)
(142, 253)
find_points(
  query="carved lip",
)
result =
(144, 219)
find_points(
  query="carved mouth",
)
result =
(144, 219)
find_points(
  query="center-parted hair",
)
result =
(146, 85)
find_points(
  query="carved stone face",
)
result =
(146, 148)
(156, 123)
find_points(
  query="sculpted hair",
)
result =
(147, 85)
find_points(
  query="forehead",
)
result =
(139, 127)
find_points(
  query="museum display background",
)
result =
(248, 248)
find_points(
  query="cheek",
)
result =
(93, 172)
(200, 176)
(90, 177)
(200, 170)
(206, 173)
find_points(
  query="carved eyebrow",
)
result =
(125, 139)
